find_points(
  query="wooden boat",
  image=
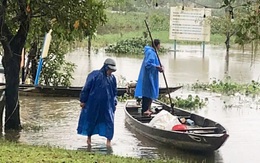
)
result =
(59, 91)
(204, 136)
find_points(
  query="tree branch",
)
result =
(5, 34)
(24, 24)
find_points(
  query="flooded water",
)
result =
(187, 66)
(57, 117)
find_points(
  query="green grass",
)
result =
(125, 26)
(106, 39)
(14, 152)
(217, 39)
(121, 26)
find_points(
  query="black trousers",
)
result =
(146, 104)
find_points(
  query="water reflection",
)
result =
(182, 68)
(97, 149)
(11, 135)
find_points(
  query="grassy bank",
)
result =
(121, 26)
(14, 152)
(106, 39)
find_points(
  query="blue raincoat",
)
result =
(148, 80)
(99, 95)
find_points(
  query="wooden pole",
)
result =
(172, 105)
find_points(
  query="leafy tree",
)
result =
(56, 70)
(30, 19)
(241, 20)
(248, 24)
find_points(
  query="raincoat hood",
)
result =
(148, 48)
(148, 81)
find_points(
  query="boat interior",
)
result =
(201, 124)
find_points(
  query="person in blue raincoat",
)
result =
(147, 86)
(98, 102)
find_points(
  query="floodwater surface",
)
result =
(57, 118)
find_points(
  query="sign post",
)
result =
(189, 24)
(45, 49)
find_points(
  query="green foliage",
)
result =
(246, 18)
(107, 39)
(227, 2)
(228, 87)
(191, 102)
(75, 20)
(123, 26)
(248, 25)
(121, 5)
(159, 21)
(69, 20)
(122, 23)
(125, 22)
(56, 70)
(221, 25)
(124, 97)
(240, 31)
(188, 103)
(131, 46)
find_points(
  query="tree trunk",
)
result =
(227, 46)
(89, 45)
(31, 71)
(12, 45)
(12, 63)
(12, 111)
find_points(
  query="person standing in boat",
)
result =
(98, 101)
(147, 86)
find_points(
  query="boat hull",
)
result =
(59, 91)
(178, 139)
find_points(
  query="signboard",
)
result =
(189, 24)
